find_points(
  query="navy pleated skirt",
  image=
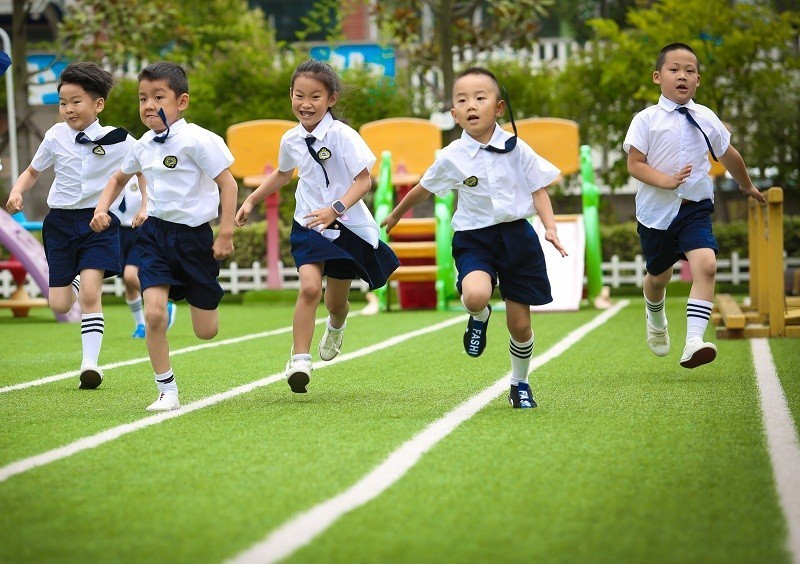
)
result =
(347, 257)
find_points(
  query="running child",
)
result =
(500, 182)
(186, 168)
(668, 146)
(333, 233)
(84, 154)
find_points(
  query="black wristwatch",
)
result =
(339, 207)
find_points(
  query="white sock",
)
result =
(166, 382)
(137, 310)
(481, 315)
(698, 312)
(306, 357)
(92, 329)
(655, 312)
(76, 286)
(333, 329)
(520, 360)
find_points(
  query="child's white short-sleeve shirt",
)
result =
(344, 155)
(492, 187)
(81, 170)
(180, 172)
(670, 142)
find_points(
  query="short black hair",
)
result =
(482, 71)
(172, 73)
(89, 76)
(662, 55)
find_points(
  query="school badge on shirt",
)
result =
(98, 150)
(324, 154)
(170, 161)
(472, 181)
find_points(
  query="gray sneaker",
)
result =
(658, 340)
(331, 343)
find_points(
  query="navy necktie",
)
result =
(685, 111)
(511, 142)
(315, 156)
(122, 205)
(113, 137)
(163, 136)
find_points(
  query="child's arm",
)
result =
(114, 186)
(640, 170)
(734, 162)
(544, 209)
(223, 244)
(323, 217)
(24, 183)
(141, 215)
(416, 195)
(276, 180)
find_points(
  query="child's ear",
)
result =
(656, 77)
(183, 101)
(453, 114)
(333, 99)
(501, 108)
(99, 104)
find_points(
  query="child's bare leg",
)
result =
(130, 277)
(155, 315)
(305, 310)
(61, 298)
(703, 263)
(205, 322)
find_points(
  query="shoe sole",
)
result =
(160, 409)
(657, 353)
(90, 380)
(323, 357)
(298, 382)
(700, 357)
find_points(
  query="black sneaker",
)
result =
(521, 396)
(475, 335)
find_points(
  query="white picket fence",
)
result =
(236, 280)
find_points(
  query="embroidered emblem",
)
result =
(170, 161)
(472, 181)
(324, 154)
(98, 150)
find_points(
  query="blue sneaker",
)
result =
(172, 311)
(521, 397)
(475, 335)
(138, 333)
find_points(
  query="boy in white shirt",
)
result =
(500, 182)
(83, 154)
(667, 146)
(186, 168)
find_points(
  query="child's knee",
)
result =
(310, 292)
(206, 333)
(156, 318)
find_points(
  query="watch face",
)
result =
(338, 207)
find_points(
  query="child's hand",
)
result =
(14, 203)
(321, 218)
(389, 222)
(243, 213)
(139, 218)
(752, 192)
(552, 236)
(223, 246)
(675, 180)
(100, 222)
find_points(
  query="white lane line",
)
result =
(784, 449)
(194, 348)
(303, 528)
(93, 441)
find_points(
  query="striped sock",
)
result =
(698, 312)
(92, 328)
(520, 360)
(655, 312)
(76, 286)
(136, 309)
(166, 382)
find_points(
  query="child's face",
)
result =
(155, 95)
(310, 101)
(77, 107)
(476, 106)
(678, 76)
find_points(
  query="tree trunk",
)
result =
(19, 54)
(445, 19)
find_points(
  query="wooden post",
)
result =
(774, 267)
(752, 250)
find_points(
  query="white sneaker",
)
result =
(298, 375)
(696, 353)
(658, 340)
(167, 401)
(91, 376)
(331, 343)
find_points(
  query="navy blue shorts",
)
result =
(181, 257)
(71, 246)
(346, 258)
(510, 251)
(128, 252)
(690, 230)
